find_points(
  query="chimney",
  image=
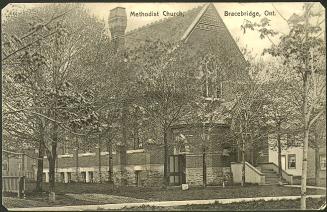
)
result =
(117, 26)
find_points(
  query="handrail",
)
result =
(252, 174)
(251, 167)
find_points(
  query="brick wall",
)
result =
(148, 165)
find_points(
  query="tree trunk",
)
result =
(306, 117)
(110, 162)
(304, 170)
(123, 156)
(166, 176)
(76, 165)
(252, 155)
(52, 156)
(243, 163)
(41, 123)
(317, 165)
(99, 152)
(279, 147)
(204, 166)
(39, 174)
(52, 164)
(136, 130)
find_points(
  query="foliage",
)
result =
(41, 65)
(302, 45)
(302, 51)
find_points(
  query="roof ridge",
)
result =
(195, 21)
(160, 21)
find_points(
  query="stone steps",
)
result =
(271, 177)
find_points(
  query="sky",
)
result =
(250, 39)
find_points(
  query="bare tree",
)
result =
(302, 51)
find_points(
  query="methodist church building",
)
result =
(198, 28)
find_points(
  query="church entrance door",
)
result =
(177, 169)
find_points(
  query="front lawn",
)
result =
(216, 193)
(83, 194)
(249, 206)
(175, 193)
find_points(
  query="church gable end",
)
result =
(210, 32)
(168, 29)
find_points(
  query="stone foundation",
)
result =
(150, 176)
(194, 176)
(215, 175)
(153, 179)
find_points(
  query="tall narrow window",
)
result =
(69, 177)
(211, 85)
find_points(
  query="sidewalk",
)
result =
(313, 187)
(159, 204)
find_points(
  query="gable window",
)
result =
(211, 75)
(211, 87)
(292, 161)
(322, 162)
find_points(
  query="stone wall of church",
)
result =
(194, 176)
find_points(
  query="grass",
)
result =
(65, 194)
(249, 206)
(75, 188)
(41, 200)
(218, 193)
(175, 193)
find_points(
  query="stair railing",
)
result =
(270, 165)
(252, 174)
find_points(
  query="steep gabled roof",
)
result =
(169, 29)
(202, 29)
